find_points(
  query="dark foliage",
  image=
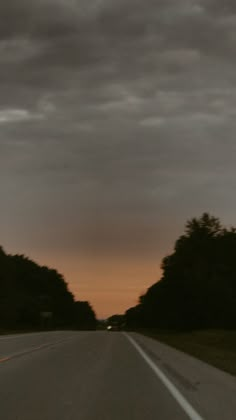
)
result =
(198, 286)
(84, 316)
(35, 297)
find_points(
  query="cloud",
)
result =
(117, 121)
(152, 121)
(17, 115)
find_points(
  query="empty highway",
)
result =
(107, 376)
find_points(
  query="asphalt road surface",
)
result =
(107, 376)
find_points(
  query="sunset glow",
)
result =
(117, 124)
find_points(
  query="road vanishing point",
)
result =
(99, 375)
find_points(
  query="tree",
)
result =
(29, 292)
(84, 316)
(198, 285)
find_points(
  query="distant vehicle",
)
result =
(112, 328)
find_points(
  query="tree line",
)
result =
(198, 286)
(37, 297)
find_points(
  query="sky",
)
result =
(117, 125)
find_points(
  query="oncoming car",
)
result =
(112, 328)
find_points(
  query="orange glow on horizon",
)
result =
(111, 286)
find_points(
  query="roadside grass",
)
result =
(216, 347)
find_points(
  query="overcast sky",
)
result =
(117, 124)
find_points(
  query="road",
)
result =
(107, 376)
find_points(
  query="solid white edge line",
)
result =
(186, 406)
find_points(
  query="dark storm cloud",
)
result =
(116, 117)
(56, 45)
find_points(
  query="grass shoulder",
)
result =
(216, 347)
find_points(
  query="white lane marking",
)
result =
(186, 406)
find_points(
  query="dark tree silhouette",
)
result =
(34, 297)
(198, 286)
(84, 316)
